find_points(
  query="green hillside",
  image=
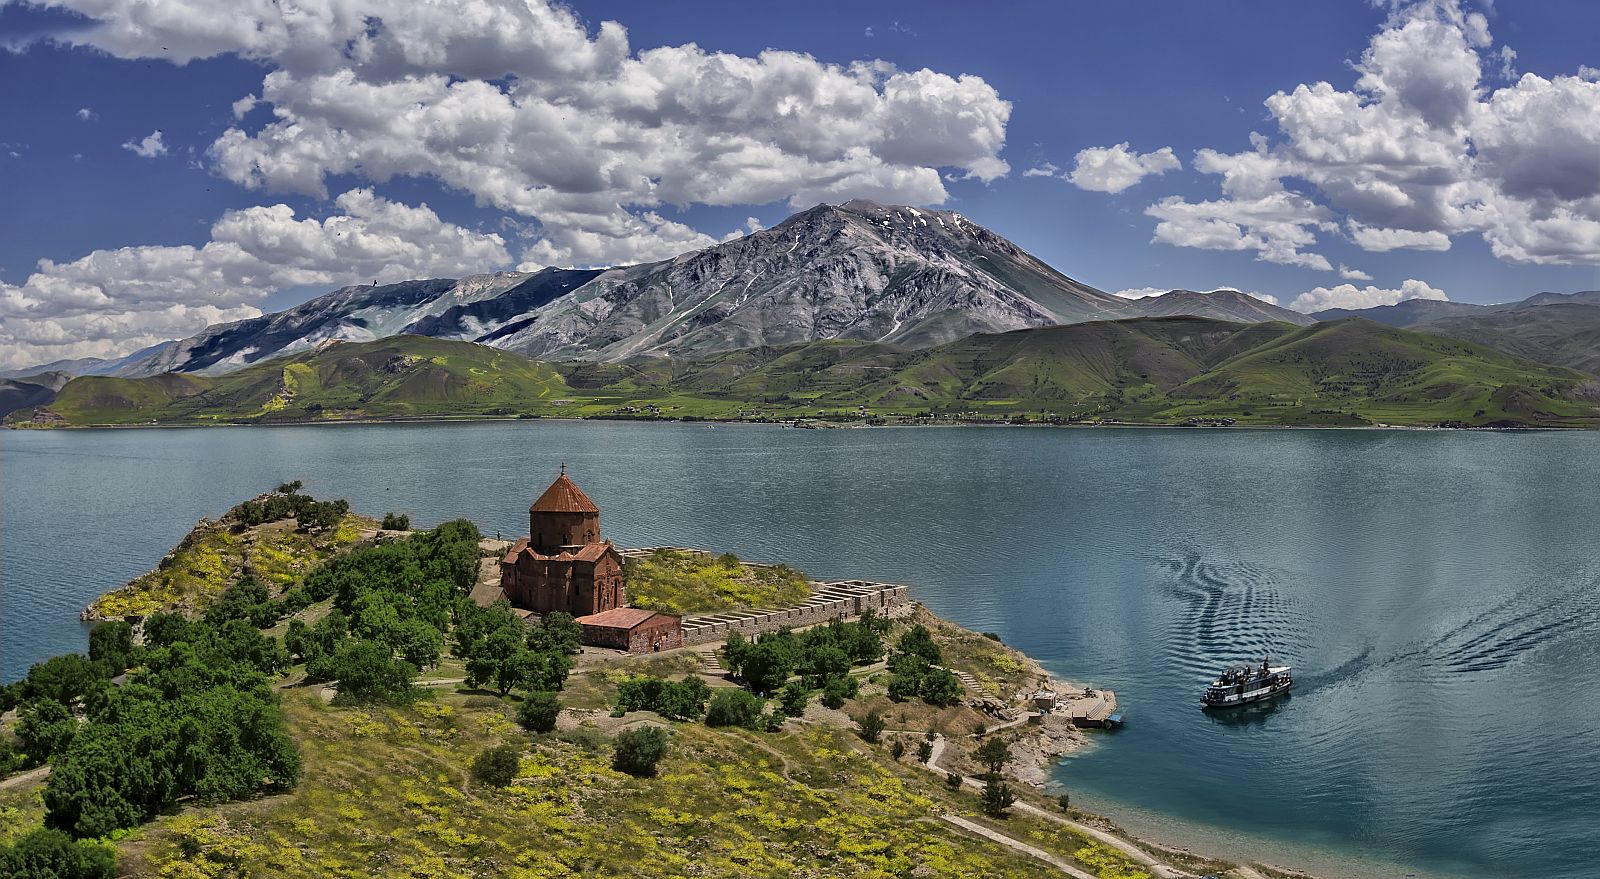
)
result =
(1146, 370)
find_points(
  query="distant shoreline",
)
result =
(814, 424)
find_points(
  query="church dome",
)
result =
(563, 496)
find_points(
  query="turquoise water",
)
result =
(1437, 592)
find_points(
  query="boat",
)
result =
(1244, 684)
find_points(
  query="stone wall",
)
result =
(840, 600)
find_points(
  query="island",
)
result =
(297, 690)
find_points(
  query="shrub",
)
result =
(46, 728)
(871, 726)
(735, 708)
(396, 522)
(678, 700)
(793, 698)
(924, 751)
(497, 767)
(952, 780)
(1065, 802)
(51, 853)
(836, 690)
(898, 749)
(639, 750)
(538, 711)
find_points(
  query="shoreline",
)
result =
(816, 424)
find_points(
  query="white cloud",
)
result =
(111, 302)
(1417, 150)
(520, 104)
(1115, 168)
(1147, 292)
(1381, 240)
(244, 105)
(1044, 169)
(1139, 292)
(85, 114)
(1351, 296)
(148, 148)
(1350, 274)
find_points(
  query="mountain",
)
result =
(1146, 370)
(1408, 313)
(28, 391)
(1563, 331)
(861, 270)
(1219, 304)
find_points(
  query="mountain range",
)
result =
(859, 290)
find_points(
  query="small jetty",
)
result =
(1086, 708)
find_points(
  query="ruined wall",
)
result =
(716, 627)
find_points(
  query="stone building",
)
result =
(632, 629)
(563, 564)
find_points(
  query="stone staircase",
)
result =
(712, 663)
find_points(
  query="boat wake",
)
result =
(1226, 613)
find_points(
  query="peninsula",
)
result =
(300, 691)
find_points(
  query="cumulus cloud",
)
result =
(85, 114)
(520, 104)
(1418, 149)
(1350, 274)
(1139, 292)
(1147, 292)
(1115, 168)
(111, 302)
(148, 148)
(1351, 296)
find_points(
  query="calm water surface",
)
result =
(1438, 593)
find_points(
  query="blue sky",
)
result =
(1429, 135)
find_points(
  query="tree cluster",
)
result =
(677, 700)
(288, 503)
(822, 656)
(915, 670)
(196, 719)
(504, 652)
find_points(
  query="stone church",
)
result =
(563, 564)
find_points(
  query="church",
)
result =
(563, 564)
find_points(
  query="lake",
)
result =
(1438, 593)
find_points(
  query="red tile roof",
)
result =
(620, 618)
(563, 496)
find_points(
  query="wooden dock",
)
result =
(1092, 708)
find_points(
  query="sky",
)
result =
(169, 164)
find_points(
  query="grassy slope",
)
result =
(1159, 370)
(1563, 333)
(690, 583)
(213, 556)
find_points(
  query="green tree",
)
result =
(50, 854)
(897, 749)
(45, 728)
(497, 767)
(63, 679)
(367, 671)
(1064, 802)
(940, 687)
(952, 780)
(297, 640)
(731, 707)
(638, 750)
(793, 698)
(556, 632)
(538, 711)
(396, 522)
(734, 652)
(924, 751)
(767, 665)
(918, 641)
(994, 754)
(111, 645)
(836, 690)
(825, 661)
(871, 725)
(419, 643)
(998, 797)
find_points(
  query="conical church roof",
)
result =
(563, 496)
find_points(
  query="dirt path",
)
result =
(28, 777)
(1017, 845)
(1132, 851)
